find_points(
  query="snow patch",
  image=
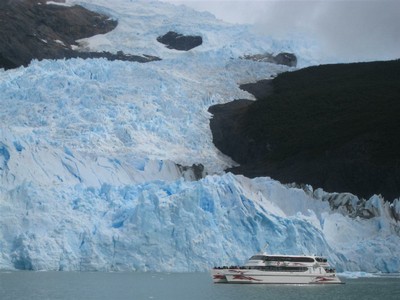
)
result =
(59, 3)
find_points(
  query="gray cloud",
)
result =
(355, 30)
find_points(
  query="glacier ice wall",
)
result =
(182, 226)
(91, 154)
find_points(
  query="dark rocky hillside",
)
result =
(332, 126)
(32, 29)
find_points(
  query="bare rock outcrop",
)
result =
(283, 58)
(35, 29)
(177, 41)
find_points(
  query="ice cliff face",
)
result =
(91, 156)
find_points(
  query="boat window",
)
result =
(289, 258)
(278, 269)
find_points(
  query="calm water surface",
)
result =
(191, 286)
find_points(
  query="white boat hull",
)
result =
(257, 277)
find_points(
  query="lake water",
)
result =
(176, 286)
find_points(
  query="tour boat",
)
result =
(278, 269)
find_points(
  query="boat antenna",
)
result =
(265, 247)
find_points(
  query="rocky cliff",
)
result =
(35, 29)
(333, 126)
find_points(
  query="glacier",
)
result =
(98, 159)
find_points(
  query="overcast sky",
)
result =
(352, 30)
